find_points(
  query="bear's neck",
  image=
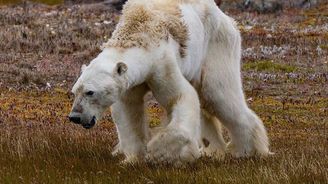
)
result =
(138, 61)
(143, 63)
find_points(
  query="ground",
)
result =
(285, 64)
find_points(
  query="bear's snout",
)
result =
(75, 119)
(91, 124)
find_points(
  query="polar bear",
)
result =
(187, 53)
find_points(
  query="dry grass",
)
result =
(38, 145)
(285, 79)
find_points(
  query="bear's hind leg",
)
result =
(211, 136)
(129, 117)
(221, 90)
(247, 131)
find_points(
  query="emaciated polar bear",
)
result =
(180, 50)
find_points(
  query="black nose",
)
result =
(74, 119)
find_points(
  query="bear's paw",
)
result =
(172, 146)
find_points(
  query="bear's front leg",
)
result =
(178, 141)
(129, 117)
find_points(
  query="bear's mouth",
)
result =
(91, 124)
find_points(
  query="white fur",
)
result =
(212, 65)
(212, 135)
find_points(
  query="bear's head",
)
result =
(98, 87)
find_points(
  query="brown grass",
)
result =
(38, 145)
(286, 85)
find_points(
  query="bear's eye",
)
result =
(89, 93)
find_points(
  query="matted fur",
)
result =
(143, 26)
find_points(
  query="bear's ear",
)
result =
(83, 67)
(121, 68)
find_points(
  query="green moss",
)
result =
(268, 65)
(154, 114)
(324, 47)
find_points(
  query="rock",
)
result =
(218, 2)
(271, 6)
(117, 4)
(262, 6)
(308, 3)
(70, 2)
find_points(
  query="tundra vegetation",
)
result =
(285, 76)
